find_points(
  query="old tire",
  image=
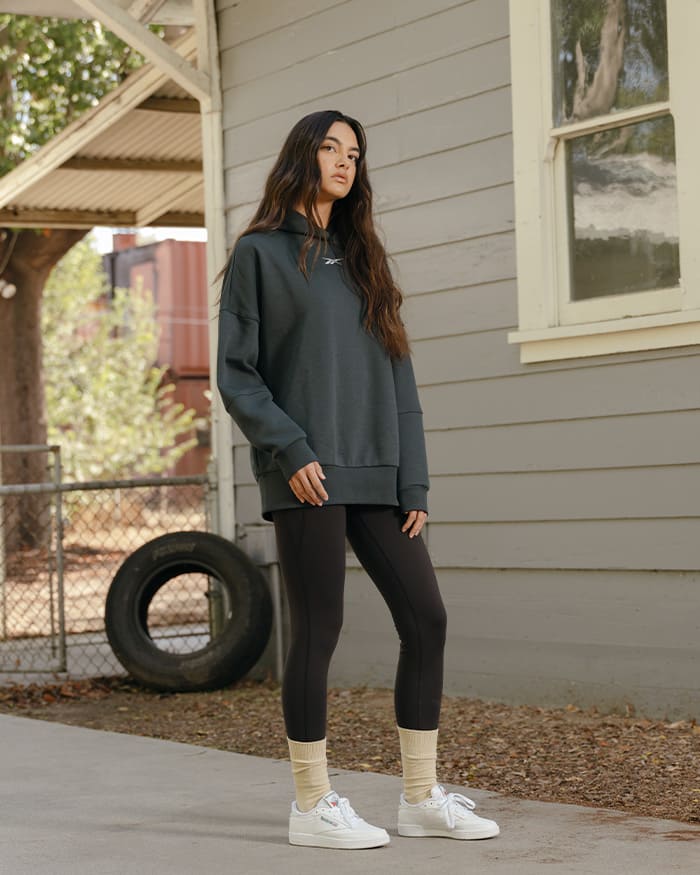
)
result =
(246, 618)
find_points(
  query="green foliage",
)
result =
(105, 403)
(52, 70)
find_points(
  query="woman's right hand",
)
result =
(306, 484)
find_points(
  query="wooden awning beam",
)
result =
(131, 164)
(159, 53)
(29, 218)
(170, 104)
(144, 10)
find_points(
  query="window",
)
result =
(605, 135)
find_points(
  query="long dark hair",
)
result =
(296, 179)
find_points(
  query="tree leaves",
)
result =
(52, 70)
(107, 404)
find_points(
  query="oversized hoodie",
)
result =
(305, 381)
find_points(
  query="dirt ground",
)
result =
(565, 755)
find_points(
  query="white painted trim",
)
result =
(612, 120)
(615, 326)
(657, 331)
(590, 344)
(208, 49)
(551, 325)
(683, 28)
(621, 306)
(214, 212)
(151, 47)
(534, 236)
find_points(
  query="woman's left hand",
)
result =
(414, 522)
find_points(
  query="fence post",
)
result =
(57, 478)
(214, 591)
(3, 573)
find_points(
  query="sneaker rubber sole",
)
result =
(310, 840)
(416, 830)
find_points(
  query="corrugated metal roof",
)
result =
(109, 191)
(149, 159)
(154, 134)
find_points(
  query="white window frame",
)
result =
(550, 325)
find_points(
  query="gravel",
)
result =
(568, 755)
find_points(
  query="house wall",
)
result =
(563, 505)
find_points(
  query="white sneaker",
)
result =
(332, 823)
(450, 815)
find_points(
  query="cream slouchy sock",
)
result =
(418, 762)
(310, 771)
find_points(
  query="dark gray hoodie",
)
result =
(305, 381)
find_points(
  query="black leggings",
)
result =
(311, 549)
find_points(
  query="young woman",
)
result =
(314, 366)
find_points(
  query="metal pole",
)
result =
(211, 510)
(216, 608)
(3, 572)
(57, 471)
(100, 485)
(215, 592)
(51, 534)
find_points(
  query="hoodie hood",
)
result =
(296, 223)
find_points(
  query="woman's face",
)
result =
(337, 159)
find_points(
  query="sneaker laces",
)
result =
(341, 804)
(348, 812)
(450, 803)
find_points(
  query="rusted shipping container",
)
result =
(190, 392)
(175, 271)
(181, 277)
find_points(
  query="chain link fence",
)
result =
(60, 546)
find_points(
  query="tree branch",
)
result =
(598, 98)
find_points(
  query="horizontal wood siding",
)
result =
(571, 484)
(332, 69)
(610, 638)
(440, 82)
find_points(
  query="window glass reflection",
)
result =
(623, 212)
(608, 55)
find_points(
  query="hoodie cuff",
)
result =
(295, 456)
(413, 498)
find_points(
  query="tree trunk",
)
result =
(597, 98)
(27, 257)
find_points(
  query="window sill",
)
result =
(632, 334)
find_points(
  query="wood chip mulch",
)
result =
(569, 755)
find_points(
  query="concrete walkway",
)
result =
(77, 801)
